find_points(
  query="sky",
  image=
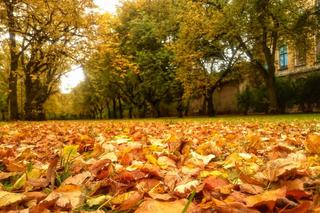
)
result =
(71, 79)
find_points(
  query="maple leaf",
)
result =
(186, 188)
(132, 162)
(67, 196)
(267, 198)
(77, 179)
(312, 143)
(8, 198)
(154, 206)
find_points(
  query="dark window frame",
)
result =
(283, 57)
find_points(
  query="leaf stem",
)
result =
(189, 202)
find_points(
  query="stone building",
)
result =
(293, 60)
(300, 57)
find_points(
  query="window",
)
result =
(283, 57)
(301, 52)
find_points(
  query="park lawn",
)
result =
(247, 163)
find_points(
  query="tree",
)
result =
(45, 36)
(3, 87)
(260, 27)
(204, 57)
(133, 66)
(146, 30)
(10, 22)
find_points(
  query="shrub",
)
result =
(285, 93)
(307, 92)
(245, 100)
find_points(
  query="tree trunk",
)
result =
(209, 100)
(28, 99)
(120, 108)
(130, 111)
(272, 95)
(158, 110)
(180, 108)
(114, 103)
(13, 101)
(204, 106)
(14, 62)
(3, 115)
(187, 107)
(142, 110)
(101, 114)
(109, 111)
(40, 114)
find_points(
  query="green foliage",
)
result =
(245, 100)
(285, 93)
(3, 84)
(290, 92)
(307, 92)
(68, 154)
(253, 100)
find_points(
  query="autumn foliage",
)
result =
(162, 166)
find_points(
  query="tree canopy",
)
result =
(151, 58)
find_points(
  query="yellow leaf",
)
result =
(267, 198)
(95, 201)
(33, 174)
(8, 198)
(67, 195)
(152, 159)
(121, 198)
(69, 152)
(312, 143)
(154, 206)
(215, 173)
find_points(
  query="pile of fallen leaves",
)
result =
(151, 167)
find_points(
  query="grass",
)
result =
(237, 118)
(220, 118)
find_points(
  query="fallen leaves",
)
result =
(157, 166)
(67, 196)
(312, 143)
(267, 198)
(154, 206)
(8, 198)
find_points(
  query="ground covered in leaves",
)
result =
(160, 166)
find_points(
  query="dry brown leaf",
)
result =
(67, 196)
(183, 189)
(154, 206)
(304, 207)
(8, 198)
(251, 189)
(145, 185)
(157, 196)
(276, 168)
(312, 143)
(212, 183)
(77, 179)
(5, 175)
(132, 201)
(267, 198)
(35, 195)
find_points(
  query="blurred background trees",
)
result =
(152, 58)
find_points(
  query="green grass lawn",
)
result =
(239, 118)
(221, 118)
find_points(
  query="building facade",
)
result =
(302, 56)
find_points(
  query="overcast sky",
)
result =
(75, 76)
(107, 5)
